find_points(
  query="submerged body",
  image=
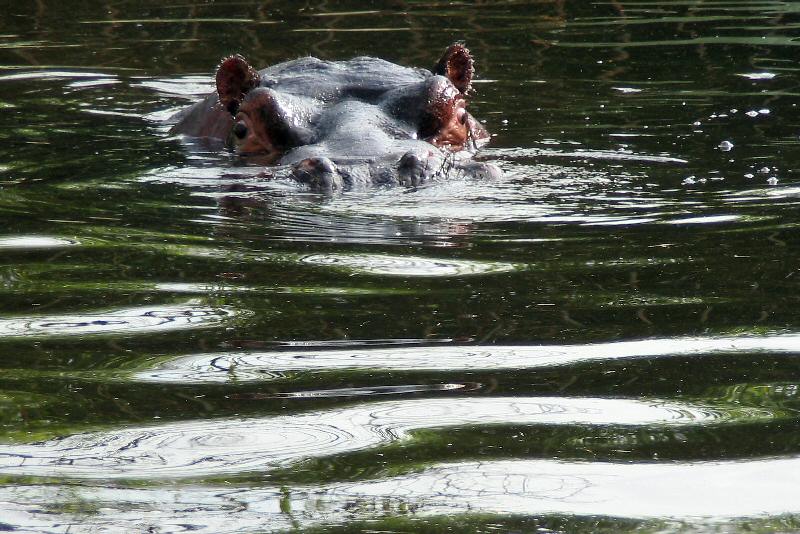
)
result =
(338, 125)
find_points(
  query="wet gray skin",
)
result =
(339, 125)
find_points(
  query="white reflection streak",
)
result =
(53, 75)
(205, 447)
(26, 242)
(696, 492)
(730, 489)
(245, 366)
(407, 265)
(129, 320)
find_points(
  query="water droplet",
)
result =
(772, 180)
(752, 113)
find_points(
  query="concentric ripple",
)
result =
(206, 447)
(124, 321)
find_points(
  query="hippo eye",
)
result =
(240, 130)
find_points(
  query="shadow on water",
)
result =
(603, 339)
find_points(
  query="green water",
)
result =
(605, 339)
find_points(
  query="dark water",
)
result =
(604, 340)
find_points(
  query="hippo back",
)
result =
(361, 78)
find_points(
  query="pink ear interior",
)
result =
(235, 77)
(458, 66)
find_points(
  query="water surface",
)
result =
(601, 340)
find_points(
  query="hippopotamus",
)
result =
(339, 125)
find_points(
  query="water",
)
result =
(605, 339)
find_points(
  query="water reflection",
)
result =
(26, 242)
(637, 254)
(406, 265)
(257, 366)
(146, 319)
(208, 447)
(94, 77)
(674, 496)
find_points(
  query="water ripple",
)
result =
(381, 264)
(27, 242)
(353, 391)
(254, 366)
(54, 75)
(618, 155)
(692, 491)
(207, 447)
(147, 319)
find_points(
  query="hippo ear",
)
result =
(235, 77)
(457, 65)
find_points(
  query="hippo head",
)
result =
(344, 124)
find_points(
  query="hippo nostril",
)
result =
(409, 161)
(240, 130)
(320, 174)
(317, 165)
(412, 170)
